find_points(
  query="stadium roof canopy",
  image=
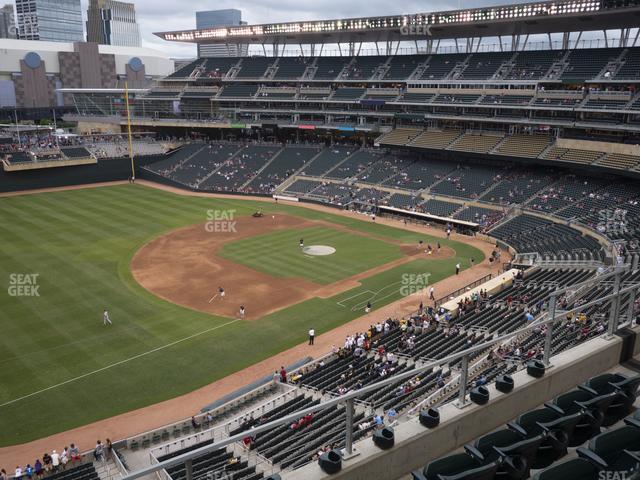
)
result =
(504, 20)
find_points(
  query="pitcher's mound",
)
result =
(319, 250)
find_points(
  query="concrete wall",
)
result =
(415, 445)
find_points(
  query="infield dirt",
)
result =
(183, 267)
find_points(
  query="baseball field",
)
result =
(155, 260)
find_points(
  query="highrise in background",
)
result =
(220, 18)
(112, 23)
(7, 22)
(50, 20)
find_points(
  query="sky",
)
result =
(166, 15)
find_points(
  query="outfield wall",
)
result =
(107, 170)
(415, 445)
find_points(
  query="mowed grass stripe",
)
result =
(278, 253)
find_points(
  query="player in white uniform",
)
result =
(105, 318)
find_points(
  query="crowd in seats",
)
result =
(416, 97)
(203, 163)
(587, 64)
(327, 160)
(385, 168)
(516, 187)
(485, 217)
(363, 67)
(291, 68)
(526, 233)
(302, 186)
(439, 207)
(403, 66)
(68, 464)
(469, 181)
(506, 99)
(344, 94)
(533, 65)
(328, 68)
(288, 161)
(219, 463)
(239, 90)
(254, 67)
(440, 66)
(466, 98)
(240, 168)
(566, 190)
(485, 65)
(630, 69)
(354, 164)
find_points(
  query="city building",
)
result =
(110, 22)
(220, 18)
(50, 20)
(7, 22)
(31, 73)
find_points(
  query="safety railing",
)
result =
(463, 357)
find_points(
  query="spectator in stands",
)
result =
(283, 375)
(37, 467)
(55, 460)
(64, 457)
(3, 474)
(46, 460)
(28, 470)
(98, 451)
(18, 473)
(75, 453)
(194, 423)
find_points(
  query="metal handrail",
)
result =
(348, 398)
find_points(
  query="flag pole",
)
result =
(126, 99)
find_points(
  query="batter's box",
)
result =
(364, 292)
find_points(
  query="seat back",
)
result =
(602, 383)
(449, 465)
(500, 438)
(567, 401)
(486, 472)
(575, 469)
(610, 443)
(531, 420)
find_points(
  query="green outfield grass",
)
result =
(279, 253)
(61, 368)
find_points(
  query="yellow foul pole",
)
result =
(126, 99)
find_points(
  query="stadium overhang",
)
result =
(504, 20)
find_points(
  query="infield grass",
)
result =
(279, 254)
(61, 368)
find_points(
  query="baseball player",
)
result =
(105, 318)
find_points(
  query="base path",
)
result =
(182, 407)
